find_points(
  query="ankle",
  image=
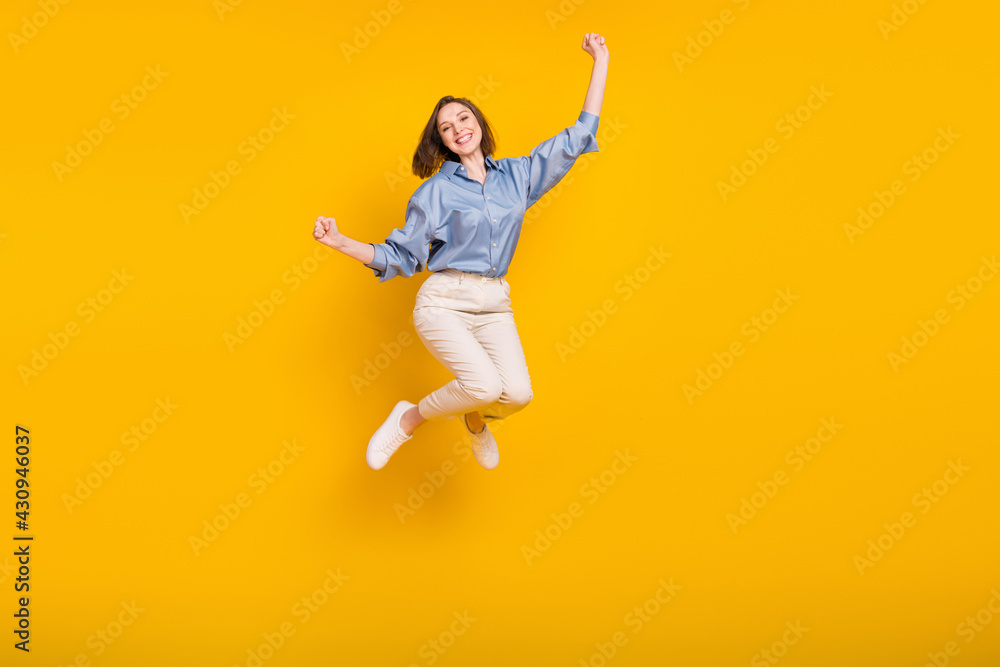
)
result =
(410, 420)
(475, 422)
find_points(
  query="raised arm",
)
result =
(593, 44)
(550, 160)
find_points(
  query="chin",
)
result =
(471, 146)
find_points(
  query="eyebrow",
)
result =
(456, 115)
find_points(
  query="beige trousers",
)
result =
(467, 323)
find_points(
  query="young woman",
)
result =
(462, 225)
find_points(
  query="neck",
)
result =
(475, 164)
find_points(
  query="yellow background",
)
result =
(653, 184)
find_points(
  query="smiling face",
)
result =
(459, 129)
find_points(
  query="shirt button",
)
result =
(494, 219)
(494, 268)
(487, 196)
(494, 245)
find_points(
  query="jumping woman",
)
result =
(462, 225)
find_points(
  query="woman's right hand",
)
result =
(326, 230)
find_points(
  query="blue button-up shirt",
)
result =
(454, 221)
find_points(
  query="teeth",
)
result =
(464, 139)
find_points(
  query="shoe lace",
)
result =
(484, 444)
(398, 438)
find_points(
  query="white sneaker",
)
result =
(484, 446)
(388, 437)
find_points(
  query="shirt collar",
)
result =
(449, 167)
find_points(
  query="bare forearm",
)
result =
(595, 92)
(363, 252)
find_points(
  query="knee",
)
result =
(519, 395)
(485, 391)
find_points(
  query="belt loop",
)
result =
(460, 277)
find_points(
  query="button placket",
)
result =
(493, 229)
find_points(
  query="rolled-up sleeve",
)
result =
(405, 250)
(550, 160)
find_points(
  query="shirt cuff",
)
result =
(378, 262)
(589, 121)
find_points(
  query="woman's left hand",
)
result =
(593, 43)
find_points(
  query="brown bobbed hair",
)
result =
(431, 152)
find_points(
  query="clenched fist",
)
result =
(325, 230)
(593, 44)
